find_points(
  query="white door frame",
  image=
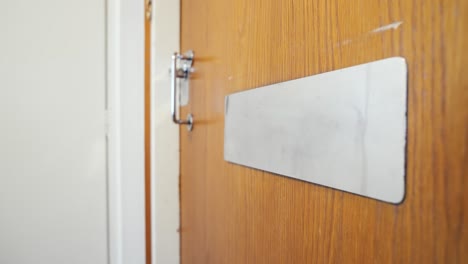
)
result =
(125, 131)
(164, 136)
(125, 108)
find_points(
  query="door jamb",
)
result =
(165, 211)
(125, 131)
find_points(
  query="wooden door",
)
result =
(148, 231)
(233, 214)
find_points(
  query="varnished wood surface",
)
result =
(147, 89)
(232, 214)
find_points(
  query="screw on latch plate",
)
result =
(149, 9)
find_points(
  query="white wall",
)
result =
(52, 133)
(62, 199)
(165, 136)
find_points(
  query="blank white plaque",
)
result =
(344, 129)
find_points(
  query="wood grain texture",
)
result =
(232, 214)
(147, 89)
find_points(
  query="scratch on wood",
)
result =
(390, 26)
(346, 42)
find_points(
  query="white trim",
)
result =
(113, 133)
(164, 136)
(125, 128)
